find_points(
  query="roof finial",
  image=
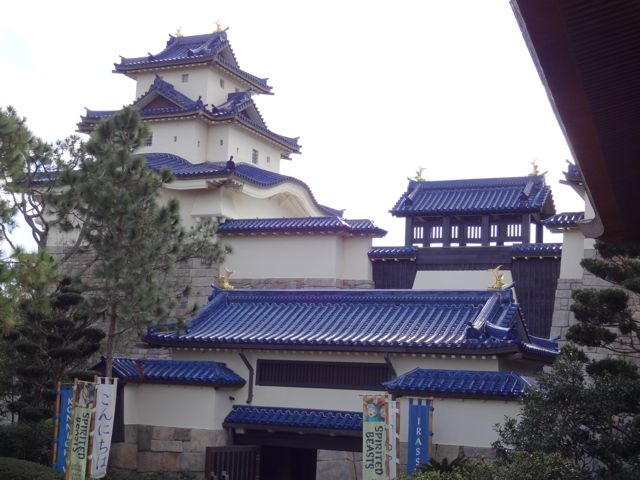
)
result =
(218, 26)
(224, 280)
(419, 177)
(179, 31)
(499, 283)
(534, 164)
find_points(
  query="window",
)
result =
(185, 77)
(254, 156)
(175, 138)
(198, 143)
(222, 83)
(221, 142)
(345, 375)
(149, 141)
(268, 159)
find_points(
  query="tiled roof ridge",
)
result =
(332, 223)
(480, 182)
(295, 417)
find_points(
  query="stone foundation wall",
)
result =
(148, 448)
(563, 317)
(298, 283)
(337, 465)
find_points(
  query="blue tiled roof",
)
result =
(213, 47)
(236, 107)
(303, 418)
(459, 382)
(563, 220)
(400, 253)
(465, 197)
(389, 320)
(182, 169)
(174, 371)
(300, 225)
(536, 249)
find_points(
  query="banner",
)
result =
(83, 401)
(419, 442)
(375, 411)
(65, 409)
(103, 425)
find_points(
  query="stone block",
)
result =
(124, 455)
(182, 434)
(162, 433)
(193, 462)
(563, 294)
(166, 445)
(445, 451)
(131, 433)
(333, 455)
(336, 470)
(155, 461)
(144, 438)
(201, 439)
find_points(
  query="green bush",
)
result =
(15, 469)
(117, 474)
(27, 441)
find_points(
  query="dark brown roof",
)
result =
(588, 55)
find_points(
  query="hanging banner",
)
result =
(419, 442)
(375, 412)
(83, 401)
(106, 390)
(65, 409)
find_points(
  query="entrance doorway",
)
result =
(285, 463)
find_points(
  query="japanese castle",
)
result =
(270, 373)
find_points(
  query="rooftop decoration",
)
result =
(374, 320)
(459, 383)
(534, 168)
(419, 177)
(499, 278)
(224, 280)
(173, 371)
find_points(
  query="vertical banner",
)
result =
(375, 412)
(419, 443)
(393, 439)
(83, 401)
(106, 390)
(65, 409)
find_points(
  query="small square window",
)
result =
(238, 150)
(198, 143)
(221, 142)
(149, 141)
(185, 77)
(268, 159)
(255, 155)
(222, 83)
(175, 138)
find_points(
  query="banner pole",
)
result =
(56, 423)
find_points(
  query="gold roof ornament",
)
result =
(499, 283)
(419, 177)
(224, 280)
(218, 26)
(534, 165)
(179, 32)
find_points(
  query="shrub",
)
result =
(117, 474)
(27, 441)
(15, 469)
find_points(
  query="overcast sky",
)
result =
(374, 89)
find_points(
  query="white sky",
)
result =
(373, 88)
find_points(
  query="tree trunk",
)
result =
(110, 340)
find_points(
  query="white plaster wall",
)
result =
(457, 280)
(463, 422)
(185, 138)
(203, 81)
(172, 406)
(301, 256)
(355, 262)
(242, 141)
(573, 244)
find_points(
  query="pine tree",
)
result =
(112, 203)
